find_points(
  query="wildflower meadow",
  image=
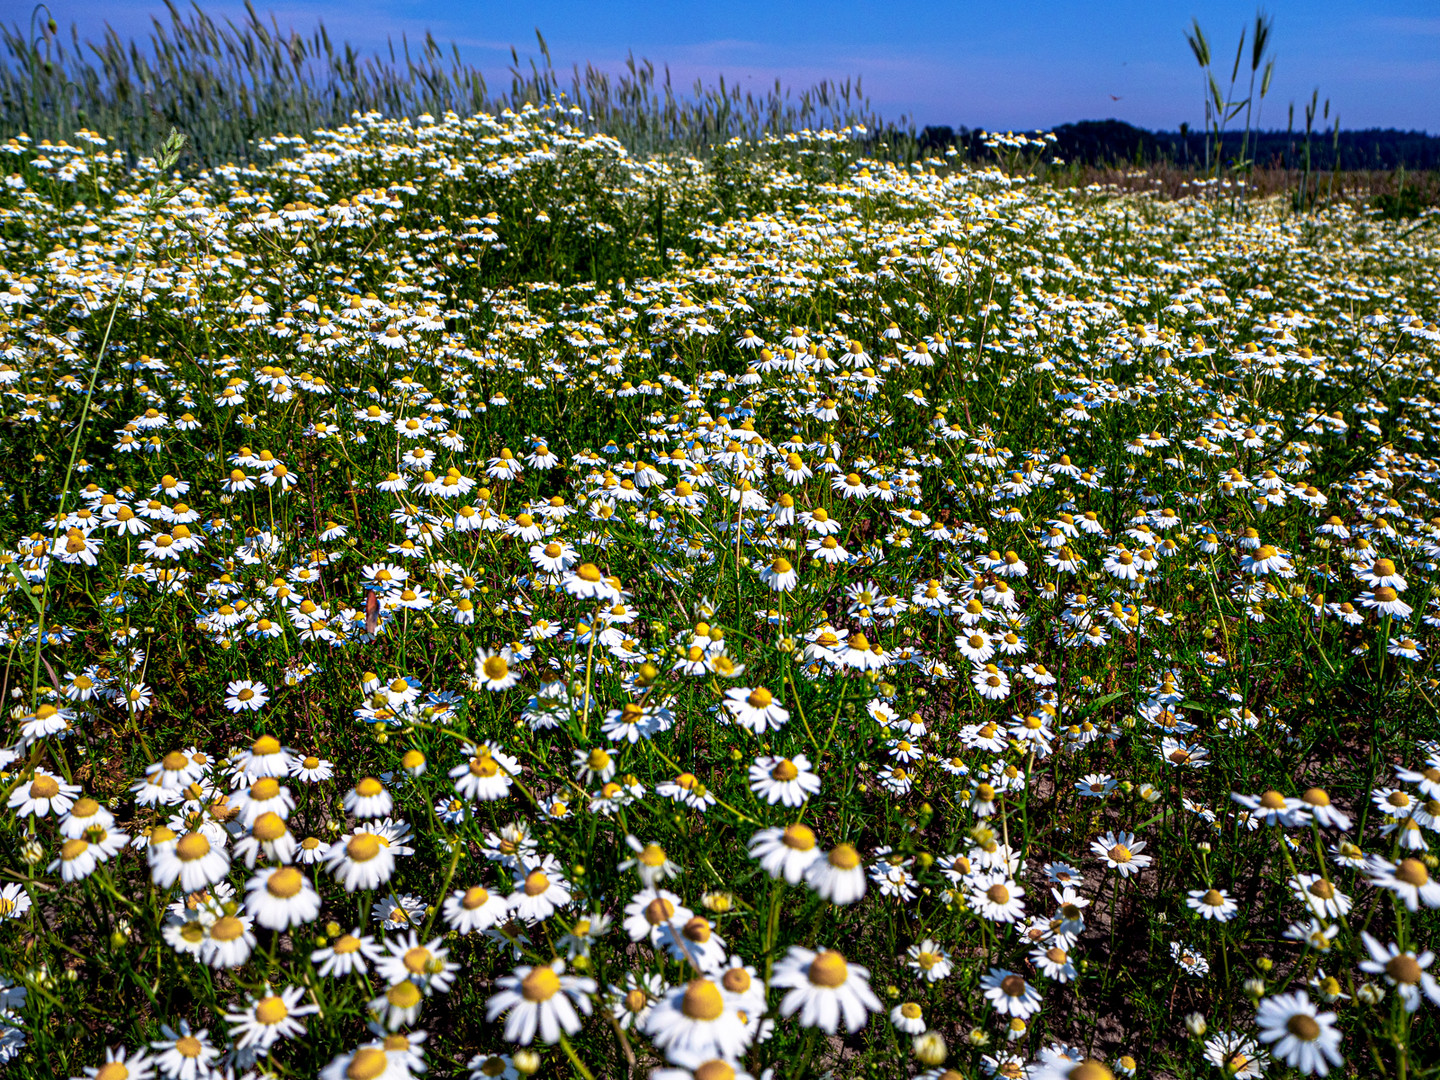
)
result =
(480, 602)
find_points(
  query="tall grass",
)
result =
(227, 83)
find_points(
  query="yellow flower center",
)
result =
(363, 847)
(192, 846)
(799, 837)
(44, 787)
(828, 969)
(540, 985)
(702, 1001)
(367, 1064)
(285, 882)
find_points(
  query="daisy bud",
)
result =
(930, 1048)
(1195, 1024)
(1255, 988)
(1369, 993)
(32, 852)
(978, 1036)
(526, 1062)
(1265, 963)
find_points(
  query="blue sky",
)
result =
(997, 65)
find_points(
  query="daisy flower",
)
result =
(246, 695)
(786, 852)
(1121, 852)
(755, 710)
(14, 901)
(45, 794)
(787, 781)
(193, 861)
(1326, 814)
(1403, 970)
(399, 1006)
(228, 941)
(266, 757)
(1214, 904)
(368, 799)
(1409, 879)
(651, 865)
(1272, 808)
(839, 876)
(348, 954)
(362, 860)
(540, 1000)
(183, 1054)
(281, 898)
(493, 672)
(693, 1020)
(649, 910)
(1300, 1036)
(929, 960)
(1054, 962)
(586, 582)
(486, 776)
(997, 897)
(121, 1064)
(1236, 1055)
(425, 965)
(468, 910)
(267, 1019)
(1010, 994)
(908, 1017)
(539, 892)
(824, 989)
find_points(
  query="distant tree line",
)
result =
(1114, 142)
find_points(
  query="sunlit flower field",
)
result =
(478, 604)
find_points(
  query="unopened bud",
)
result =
(930, 1048)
